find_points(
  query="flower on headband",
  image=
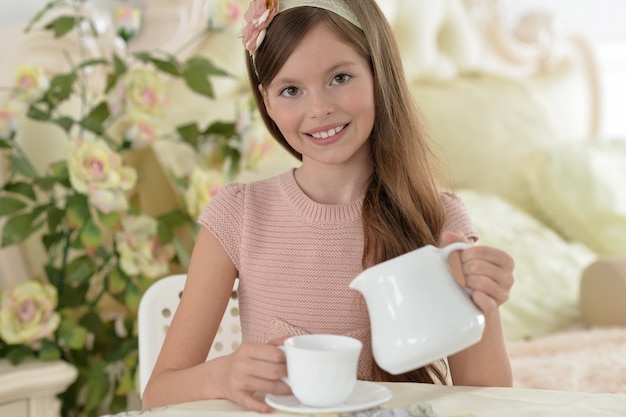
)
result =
(257, 18)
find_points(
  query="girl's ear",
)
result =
(266, 101)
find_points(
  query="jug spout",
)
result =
(358, 283)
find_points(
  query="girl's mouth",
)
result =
(328, 133)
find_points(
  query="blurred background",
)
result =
(601, 21)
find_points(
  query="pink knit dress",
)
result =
(296, 257)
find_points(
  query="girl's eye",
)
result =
(289, 92)
(341, 78)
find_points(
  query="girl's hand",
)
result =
(253, 368)
(485, 270)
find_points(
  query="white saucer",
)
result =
(366, 395)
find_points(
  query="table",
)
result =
(446, 402)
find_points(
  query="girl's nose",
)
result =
(321, 104)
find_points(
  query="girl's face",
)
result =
(322, 100)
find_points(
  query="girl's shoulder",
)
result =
(239, 193)
(235, 198)
(451, 201)
(254, 188)
(457, 218)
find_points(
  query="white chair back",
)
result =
(156, 310)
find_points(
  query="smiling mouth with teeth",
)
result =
(328, 133)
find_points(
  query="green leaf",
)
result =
(61, 25)
(21, 188)
(53, 274)
(80, 269)
(226, 129)
(143, 56)
(117, 281)
(64, 123)
(72, 296)
(196, 75)
(74, 336)
(204, 66)
(49, 351)
(118, 65)
(55, 217)
(126, 385)
(111, 81)
(91, 235)
(132, 296)
(60, 88)
(94, 121)
(59, 170)
(77, 210)
(164, 233)
(198, 82)
(17, 353)
(109, 220)
(5, 144)
(21, 166)
(125, 34)
(182, 252)
(19, 227)
(10, 205)
(235, 157)
(41, 13)
(170, 67)
(93, 323)
(173, 219)
(46, 182)
(189, 133)
(119, 404)
(92, 62)
(37, 210)
(52, 239)
(97, 385)
(38, 114)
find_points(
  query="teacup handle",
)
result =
(447, 250)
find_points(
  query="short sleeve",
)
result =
(457, 218)
(223, 216)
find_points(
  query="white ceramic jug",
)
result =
(418, 312)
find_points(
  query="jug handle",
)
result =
(447, 250)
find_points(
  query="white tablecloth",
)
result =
(447, 402)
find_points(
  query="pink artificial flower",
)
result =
(257, 18)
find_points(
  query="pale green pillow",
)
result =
(548, 269)
(580, 190)
(485, 125)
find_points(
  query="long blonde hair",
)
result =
(402, 208)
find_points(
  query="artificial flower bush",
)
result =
(103, 243)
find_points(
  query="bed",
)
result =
(516, 116)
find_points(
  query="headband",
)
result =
(261, 12)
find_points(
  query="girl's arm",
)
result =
(485, 363)
(181, 372)
(489, 273)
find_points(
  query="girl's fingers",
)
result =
(484, 302)
(489, 272)
(247, 401)
(490, 255)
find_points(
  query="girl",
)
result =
(328, 81)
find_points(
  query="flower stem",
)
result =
(22, 155)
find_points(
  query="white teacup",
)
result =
(418, 312)
(322, 368)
